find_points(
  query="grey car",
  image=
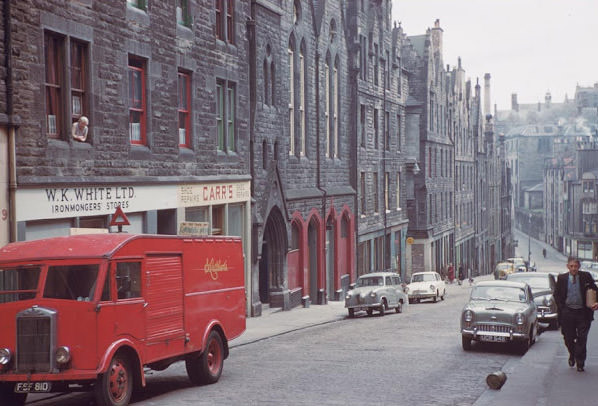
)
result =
(500, 312)
(542, 285)
(376, 291)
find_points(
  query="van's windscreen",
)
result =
(71, 282)
(18, 283)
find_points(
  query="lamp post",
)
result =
(529, 238)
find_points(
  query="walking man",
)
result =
(575, 315)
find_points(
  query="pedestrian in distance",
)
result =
(575, 313)
(544, 252)
(461, 274)
(451, 273)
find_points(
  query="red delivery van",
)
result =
(90, 312)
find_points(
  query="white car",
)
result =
(425, 285)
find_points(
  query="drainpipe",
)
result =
(12, 166)
(319, 167)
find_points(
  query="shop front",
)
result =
(212, 208)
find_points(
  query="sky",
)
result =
(529, 47)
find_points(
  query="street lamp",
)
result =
(529, 238)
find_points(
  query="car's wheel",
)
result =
(369, 311)
(207, 367)
(411, 301)
(466, 343)
(523, 346)
(443, 294)
(399, 308)
(351, 312)
(436, 297)
(382, 307)
(115, 386)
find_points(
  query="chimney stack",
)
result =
(487, 106)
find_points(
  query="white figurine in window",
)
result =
(80, 129)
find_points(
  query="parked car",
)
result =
(543, 285)
(426, 285)
(500, 312)
(502, 269)
(376, 291)
(518, 264)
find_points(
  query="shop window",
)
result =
(218, 225)
(235, 220)
(197, 214)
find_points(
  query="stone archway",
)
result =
(273, 253)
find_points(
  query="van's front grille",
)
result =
(35, 340)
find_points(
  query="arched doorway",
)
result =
(330, 250)
(272, 261)
(313, 244)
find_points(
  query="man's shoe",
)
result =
(571, 362)
(580, 368)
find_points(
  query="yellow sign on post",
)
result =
(410, 240)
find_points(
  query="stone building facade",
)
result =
(379, 90)
(303, 215)
(167, 99)
(332, 142)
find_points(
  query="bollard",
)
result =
(496, 380)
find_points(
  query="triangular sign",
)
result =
(119, 218)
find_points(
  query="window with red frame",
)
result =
(137, 102)
(54, 84)
(225, 20)
(78, 80)
(184, 110)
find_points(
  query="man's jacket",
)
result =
(560, 292)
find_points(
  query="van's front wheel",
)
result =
(207, 367)
(115, 386)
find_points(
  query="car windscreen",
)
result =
(503, 293)
(18, 283)
(423, 277)
(71, 282)
(370, 281)
(535, 282)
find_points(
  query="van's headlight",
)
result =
(5, 356)
(63, 355)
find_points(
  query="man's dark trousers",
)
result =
(575, 327)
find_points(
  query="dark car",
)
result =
(542, 284)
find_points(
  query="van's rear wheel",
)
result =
(115, 386)
(207, 367)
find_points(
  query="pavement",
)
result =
(541, 377)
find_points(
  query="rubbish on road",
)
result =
(496, 380)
